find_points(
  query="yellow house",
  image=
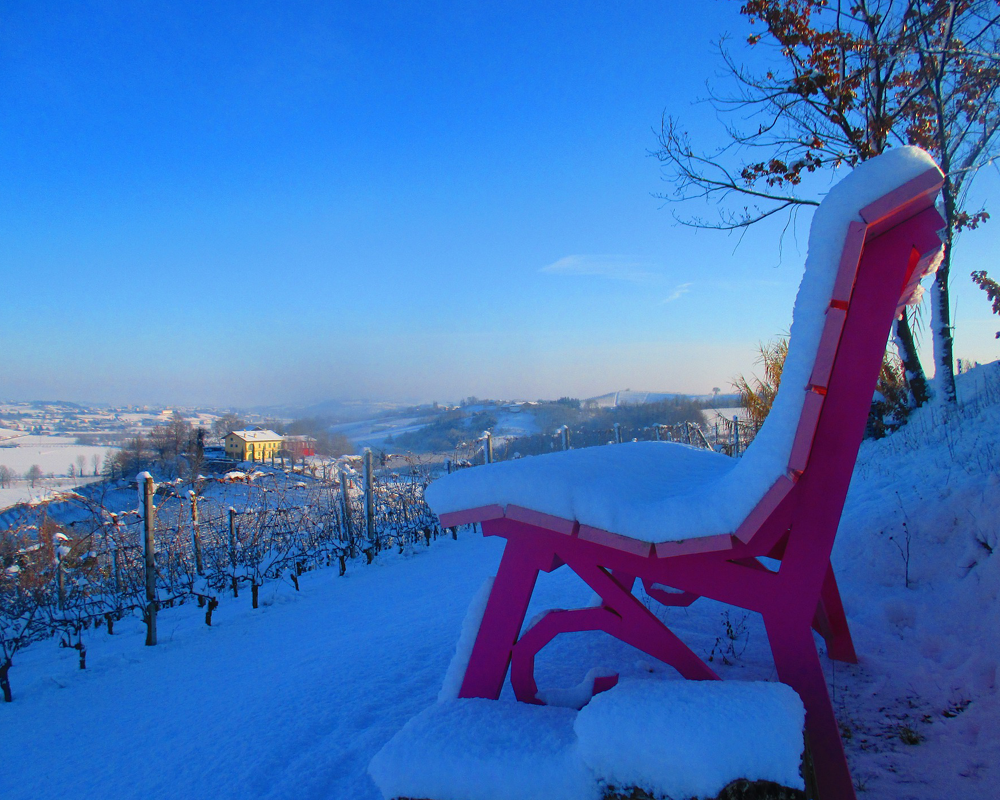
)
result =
(256, 445)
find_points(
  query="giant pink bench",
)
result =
(690, 523)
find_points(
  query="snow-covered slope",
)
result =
(294, 699)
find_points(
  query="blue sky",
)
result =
(282, 202)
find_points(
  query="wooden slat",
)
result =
(701, 544)
(902, 203)
(768, 503)
(539, 520)
(849, 258)
(828, 343)
(469, 515)
(615, 541)
(802, 444)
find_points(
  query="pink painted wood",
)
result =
(828, 344)
(762, 512)
(537, 518)
(615, 541)
(470, 515)
(795, 522)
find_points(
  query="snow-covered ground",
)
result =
(21, 490)
(513, 423)
(294, 699)
(374, 432)
(627, 397)
(55, 455)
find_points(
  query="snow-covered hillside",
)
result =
(294, 699)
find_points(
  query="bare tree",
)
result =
(848, 82)
(33, 475)
(227, 423)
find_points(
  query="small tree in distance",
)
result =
(33, 475)
(227, 423)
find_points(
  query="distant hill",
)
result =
(628, 397)
(336, 410)
(56, 403)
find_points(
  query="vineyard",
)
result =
(88, 558)
(729, 436)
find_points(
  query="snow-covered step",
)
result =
(670, 738)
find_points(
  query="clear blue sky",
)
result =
(268, 202)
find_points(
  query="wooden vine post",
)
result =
(60, 575)
(345, 507)
(149, 547)
(232, 549)
(369, 499)
(118, 571)
(196, 533)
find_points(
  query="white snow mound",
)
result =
(673, 738)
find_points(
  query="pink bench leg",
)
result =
(798, 665)
(515, 581)
(522, 669)
(839, 645)
(639, 627)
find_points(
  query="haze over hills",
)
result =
(354, 410)
(628, 397)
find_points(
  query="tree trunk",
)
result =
(915, 377)
(149, 548)
(212, 605)
(5, 681)
(944, 356)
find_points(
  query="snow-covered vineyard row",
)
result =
(77, 562)
(726, 435)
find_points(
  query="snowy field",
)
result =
(21, 491)
(55, 455)
(294, 699)
(374, 432)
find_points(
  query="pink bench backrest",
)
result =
(913, 201)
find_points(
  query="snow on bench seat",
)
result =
(677, 738)
(660, 492)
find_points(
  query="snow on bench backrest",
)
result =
(835, 240)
